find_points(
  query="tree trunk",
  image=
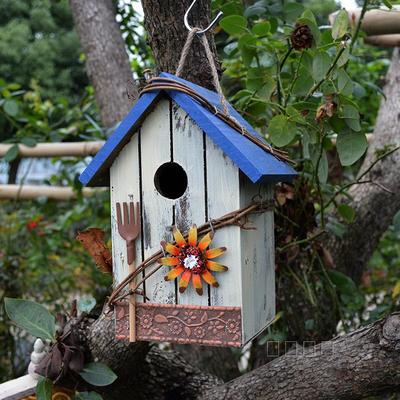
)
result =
(167, 35)
(360, 364)
(374, 205)
(107, 62)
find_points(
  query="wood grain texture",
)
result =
(168, 43)
(190, 208)
(157, 211)
(18, 388)
(124, 186)
(361, 364)
(223, 197)
(258, 263)
(107, 61)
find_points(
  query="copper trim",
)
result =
(177, 323)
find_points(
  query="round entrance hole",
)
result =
(171, 180)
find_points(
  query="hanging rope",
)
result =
(155, 84)
(211, 61)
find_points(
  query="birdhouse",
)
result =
(194, 176)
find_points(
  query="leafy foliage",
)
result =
(309, 90)
(37, 41)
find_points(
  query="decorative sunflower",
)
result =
(192, 260)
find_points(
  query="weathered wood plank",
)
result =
(157, 210)
(190, 208)
(223, 197)
(124, 186)
(258, 264)
(18, 388)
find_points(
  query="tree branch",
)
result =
(360, 364)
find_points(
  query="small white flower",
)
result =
(190, 262)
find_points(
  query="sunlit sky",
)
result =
(348, 4)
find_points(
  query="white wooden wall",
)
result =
(215, 187)
(258, 264)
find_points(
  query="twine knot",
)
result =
(210, 58)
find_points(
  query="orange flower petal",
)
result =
(169, 261)
(174, 273)
(170, 248)
(205, 241)
(216, 267)
(179, 239)
(213, 253)
(209, 278)
(184, 282)
(196, 280)
(192, 238)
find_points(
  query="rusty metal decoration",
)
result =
(129, 228)
(206, 325)
(192, 260)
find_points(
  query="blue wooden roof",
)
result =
(253, 161)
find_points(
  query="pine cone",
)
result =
(301, 37)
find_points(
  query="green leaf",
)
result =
(86, 303)
(28, 141)
(307, 18)
(351, 146)
(234, 24)
(11, 107)
(321, 64)
(346, 212)
(87, 396)
(323, 166)
(340, 25)
(257, 9)
(32, 317)
(292, 10)
(343, 58)
(387, 3)
(351, 117)
(98, 374)
(303, 83)
(345, 84)
(344, 283)
(12, 153)
(44, 389)
(247, 45)
(262, 28)
(336, 228)
(350, 112)
(308, 14)
(281, 130)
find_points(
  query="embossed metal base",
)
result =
(211, 326)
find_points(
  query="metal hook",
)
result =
(213, 22)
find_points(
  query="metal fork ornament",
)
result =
(129, 229)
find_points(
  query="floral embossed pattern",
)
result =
(212, 326)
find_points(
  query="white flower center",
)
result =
(190, 262)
